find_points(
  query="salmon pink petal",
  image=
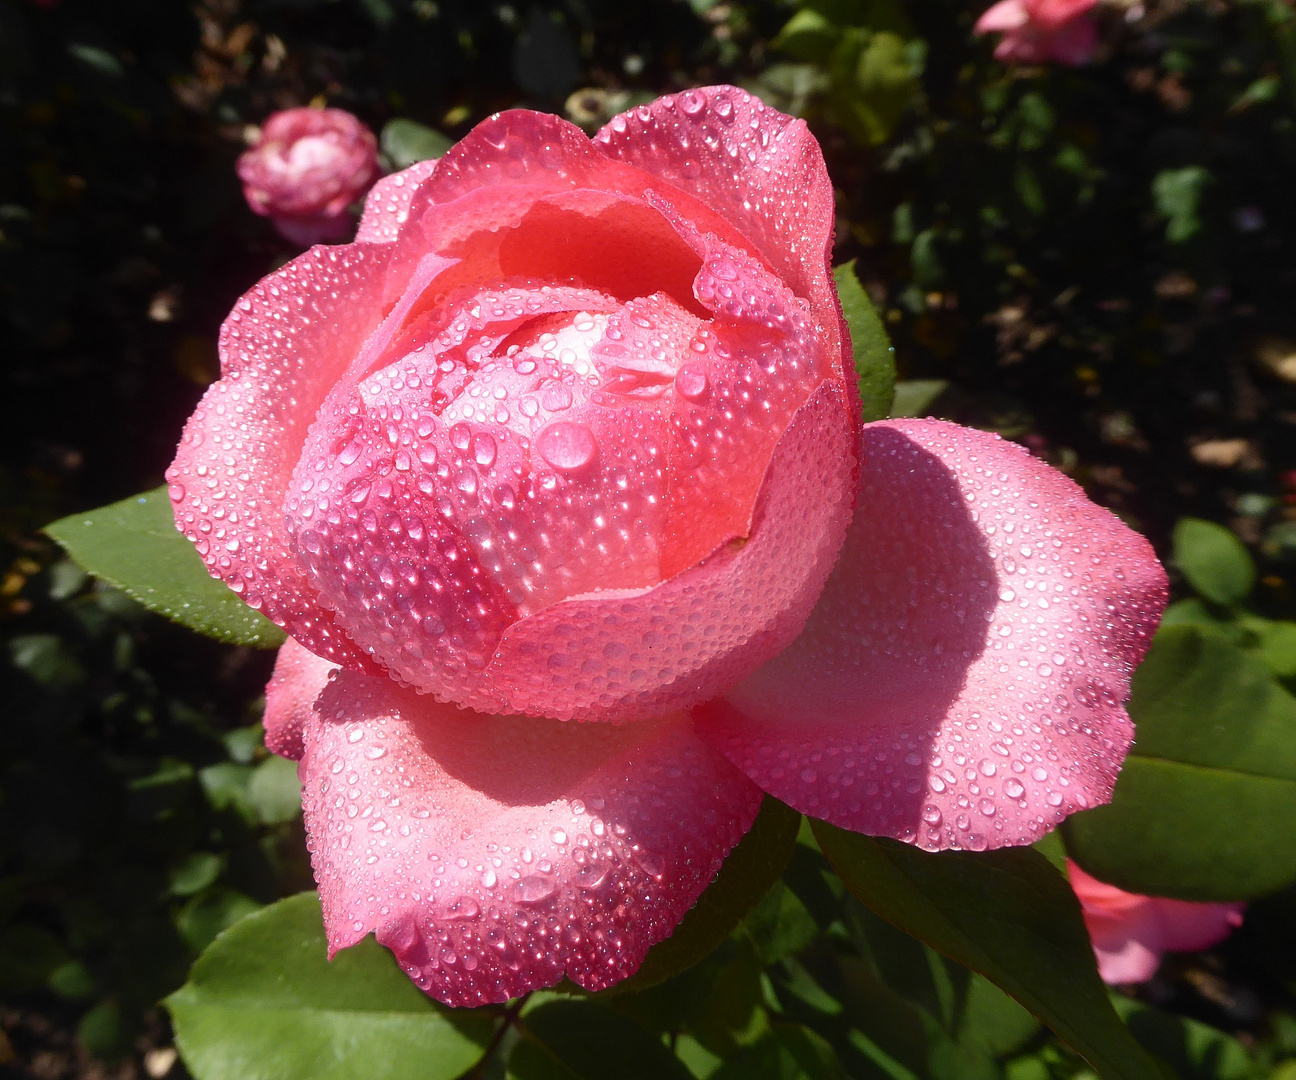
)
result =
(282, 349)
(1129, 949)
(961, 681)
(758, 168)
(497, 855)
(299, 676)
(1188, 926)
(519, 156)
(1005, 15)
(387, 206)
(685, 640)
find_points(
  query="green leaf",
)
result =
(915, 397)
(1007, 914)
(808, 35)
(1210, 786)
(1177, 194)
(1278, 646)
(405, 142)
(1193, 1049)
(1215, 562)
(785, 1052)
(195, 872)
(747, 875)
(134, 545)
(274, 792)
(582, 1040)
(264, 1003)
(874, 354)
(210, 912)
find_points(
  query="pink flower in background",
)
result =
(556, 480)
(307, 167)
(1037, 31)
(1130, 932)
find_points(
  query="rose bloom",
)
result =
(307, 167)
(1130, 932)
(555, 477)
(1037, 31)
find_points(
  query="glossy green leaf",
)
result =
(210, 912)
(582, 1040)
(274, 792)
(264, 1003)
(1210, 786)
(916, 397)
(1215, 562)
(405, 142)
(747, 875)
(134, 545)
(874, 355)
(1007, 914)
(1195, 1050)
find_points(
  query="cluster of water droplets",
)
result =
(961, 683)
(522, 445)
(495, 855)
(230, 473)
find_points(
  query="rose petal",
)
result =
(1005, 15)
(387, 206)
(960, 683)
(1188, 926)
(497, 855)
(760, 169)
(299, 676)
(434, 529)
(1128, 950)
(282, 349)
(607, 656)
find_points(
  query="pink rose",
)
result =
(545, 475)
(1130, 932)
(1037, 31)
(307, 167)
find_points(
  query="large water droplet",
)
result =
(533, 889)
(567, 446)
(691, 382)
(483, 448)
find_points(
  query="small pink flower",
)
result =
(557, 481)
(1037, 31)
(307, 167)
(1130, 932)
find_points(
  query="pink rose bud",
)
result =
(556, 479)
(307, 167)
(1130, 932)
(1037, 31)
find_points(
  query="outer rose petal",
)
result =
(387, 206)
(299, 676)
(1121, 947)
(759, 168)
(960, 683)
(282, 348)
(1005, 15)
(1130, 932)
(495, 855)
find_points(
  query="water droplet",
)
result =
(567, 446)
(691, 382)
(483, 448)
(532, 889)
(1013, 788)
(556, 397)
